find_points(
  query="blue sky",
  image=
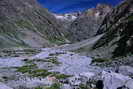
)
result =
(65, 6)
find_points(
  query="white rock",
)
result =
(88, 75)
(129, 84)
(126, 70)
(30, 82)
(66, 86)
(3, 86)
(114, 80)
(11, 62)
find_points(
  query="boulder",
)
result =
(115, 80)
(126, 70)
(3, 86)
(129, 84)
(66, 86)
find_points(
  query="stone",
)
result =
(87, 75)
(126, 70)
(114, 80)
(75, 81)
(3, 86)
(129, 84)
(66, 86)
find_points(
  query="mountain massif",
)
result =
(117, 29)
(87, 23)
(84, 50)
(26, 23)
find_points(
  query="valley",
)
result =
(42, 50)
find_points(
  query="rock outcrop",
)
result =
(3, 86)
(116, 81)
(126, 70)
(117, 29)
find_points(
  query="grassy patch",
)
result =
(83, 86)
(53, 86)
(60, 76)
(39, 88)
(32, 70)
(48, 59)
(82, 49)
(40, 73)
(34, 73)
(53, 60)
(24, 23)
(100, 60)
(58, 41)
(130, 18)
(26, 68)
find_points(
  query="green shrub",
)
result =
(61, 76)
(58, 41)
(100, 60)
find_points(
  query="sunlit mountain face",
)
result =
(65, 6)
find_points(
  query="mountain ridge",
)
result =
(24, 16)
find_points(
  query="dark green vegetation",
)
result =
(100, 60)
(130, 18)
(57, 53)
(61, 76)
(53, 86)
(31, 69)
(58, 41)
(117, 27)
(83, 86)
(16, 52)
(52, 60)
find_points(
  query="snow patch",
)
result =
(67, 17)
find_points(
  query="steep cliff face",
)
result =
(118, 31)
(87, 23)
(26, 23)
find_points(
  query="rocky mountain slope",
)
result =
(26, 23)
(66, 20)
(87, 23)
(117, 29)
